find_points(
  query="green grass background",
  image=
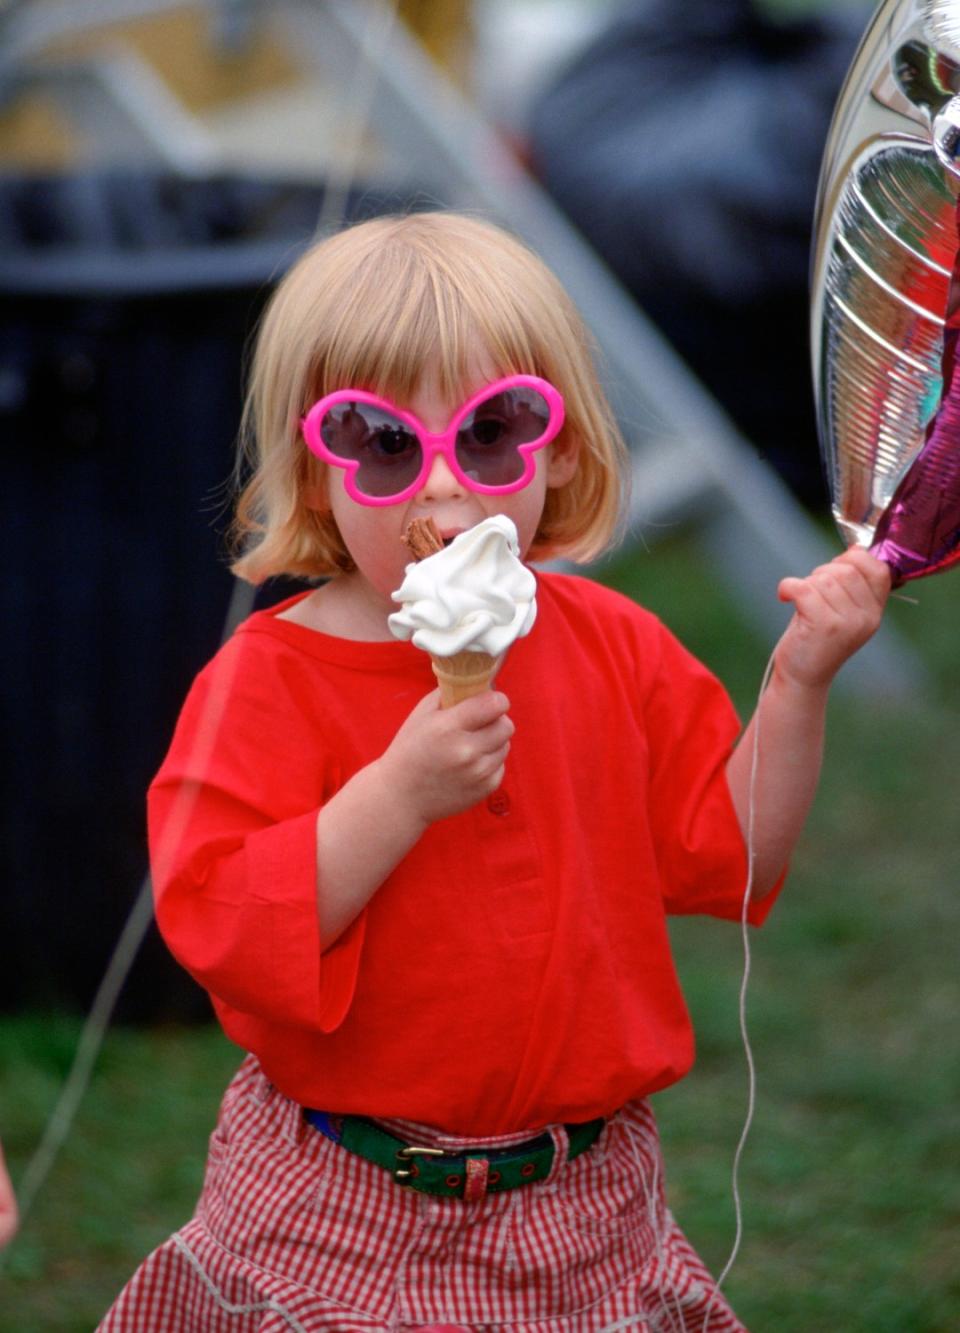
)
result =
(851, 1176)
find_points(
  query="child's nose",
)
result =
(441, 482)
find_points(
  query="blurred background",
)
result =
(161, 164)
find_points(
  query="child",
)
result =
(440, 934)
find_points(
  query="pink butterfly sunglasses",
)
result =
(387, 454)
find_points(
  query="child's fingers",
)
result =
(487, 740)
(876, 574)
(477, 731)
(850, 583)
(789, 589)
(487, 747)
(470, 714)
(837, 608)
(818, 590)
(478, 712)
(496, 761)
(430, 703)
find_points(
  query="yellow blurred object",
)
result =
(183, 49)
(201, 70)
(444, 28)
(35, 135)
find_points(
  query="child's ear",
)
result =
(563, 454)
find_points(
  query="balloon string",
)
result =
(631, 1321)
(742, 1000)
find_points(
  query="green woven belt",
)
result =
(436, 1171)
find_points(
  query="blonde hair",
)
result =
(369, 308)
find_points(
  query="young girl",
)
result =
(440, 934)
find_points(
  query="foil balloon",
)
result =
(886, 291)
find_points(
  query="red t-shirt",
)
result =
(514, 970)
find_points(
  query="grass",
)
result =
(130, 1171)
(851, 1177)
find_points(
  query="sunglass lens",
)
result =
(489, 438)
(387, 450)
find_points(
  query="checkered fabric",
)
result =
(293, 1233)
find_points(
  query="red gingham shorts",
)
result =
(293, 1234)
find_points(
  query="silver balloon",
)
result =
(885, 254)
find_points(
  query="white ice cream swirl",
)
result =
(473, 596)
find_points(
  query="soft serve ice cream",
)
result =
(472, 596)
(467, 603)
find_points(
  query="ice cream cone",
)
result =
(462, 675)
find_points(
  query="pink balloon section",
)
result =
(919, 531)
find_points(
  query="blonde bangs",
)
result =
(414, 303)
(373, 307)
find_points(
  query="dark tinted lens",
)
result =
(388, 452)
(489, 438)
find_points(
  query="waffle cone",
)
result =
(463, 675)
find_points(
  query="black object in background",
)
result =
(685, 143)
(127, 302)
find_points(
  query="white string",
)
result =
(742, 1004)
(655, 1212)
(632, 1320)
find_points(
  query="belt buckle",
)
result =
(402, 1175)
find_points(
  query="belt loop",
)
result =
(561, 1145)
(478, 1174)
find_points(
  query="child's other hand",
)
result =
(837, 609)
(443, 761)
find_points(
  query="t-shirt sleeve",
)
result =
(232, 825)
(692, 727)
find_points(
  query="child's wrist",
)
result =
(395, 797)
(807, 690)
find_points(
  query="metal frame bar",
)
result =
(116, 100)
